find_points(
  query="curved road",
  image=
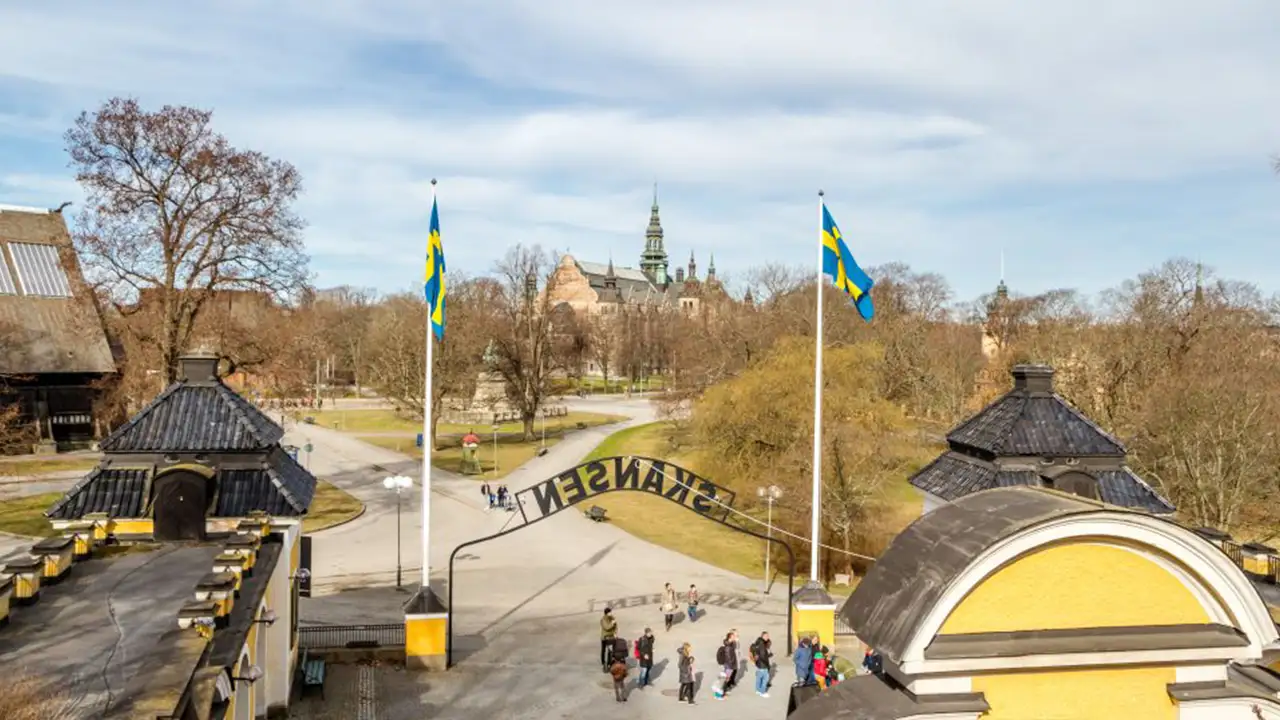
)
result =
(527, 605)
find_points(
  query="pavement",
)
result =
(526, 606)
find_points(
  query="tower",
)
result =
(653, 261)
(610, 277)
(693, 267)
(711, 269)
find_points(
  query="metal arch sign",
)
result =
(639, 474)
(612, 474)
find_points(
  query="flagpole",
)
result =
(427, 446)
(817, 412)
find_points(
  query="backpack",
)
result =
(637, 649)
(722, 655)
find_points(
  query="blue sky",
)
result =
(1087, 140)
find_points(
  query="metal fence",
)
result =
(1233, 551)
(315, 637)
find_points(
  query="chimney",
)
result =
(1033, 378)
(198, 368)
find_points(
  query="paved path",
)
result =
(527, 605)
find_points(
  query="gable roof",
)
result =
(195, 417)
(1033, 420)
(49, 322)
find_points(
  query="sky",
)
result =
(1085, 140)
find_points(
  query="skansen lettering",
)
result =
(654, 477)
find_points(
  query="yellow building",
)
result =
(1032, 604)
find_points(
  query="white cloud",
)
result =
(942, 131)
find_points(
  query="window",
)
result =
(6, 280)
(40, 270)
(1076, 483)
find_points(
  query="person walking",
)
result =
(668, 605)
(644, 657)
(726, 658)
(762, 657)
(803, 659)
(619, 672)
(608, 631)
(686, 673)
(693, 603)
(732, 679)
(484, 491)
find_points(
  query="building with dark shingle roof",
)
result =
(53, 345)
(1032, 436)
(192, 462)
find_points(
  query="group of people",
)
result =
(814, 663)
(670, 604)
(497, 497)
(614, 651)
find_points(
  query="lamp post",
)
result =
(770, 495)
(399, 483)
(495, 450)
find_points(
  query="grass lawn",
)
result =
(330, 506)
(511, 455)
(42, 465)
(387, 421)
(664, 523)
(25, 515)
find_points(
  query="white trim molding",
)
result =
(1227, 594)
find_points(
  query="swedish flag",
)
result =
(838, 262)
(434, 284)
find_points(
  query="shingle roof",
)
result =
(1024, 423)
(195, 417)
(118, 492)
(280, 487)
(954, 475)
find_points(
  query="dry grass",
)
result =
(511, 455)
(26, 698)
(43, 465)
(331, 506)
(25, 516)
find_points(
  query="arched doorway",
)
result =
(181, 498)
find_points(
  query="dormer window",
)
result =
(1076, 483)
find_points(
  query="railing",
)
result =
(1233, 551)
(315, 637)
(842, 627)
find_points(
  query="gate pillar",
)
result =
(813, 612)
(426, 632)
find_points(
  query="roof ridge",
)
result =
(237, 404)
(278, 481)
(138, 416)
(1154, 493)
(1088, 421)
(74, 491)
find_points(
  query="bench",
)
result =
(312, 669)
(596, 513)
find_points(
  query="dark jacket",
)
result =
(646, 651)
(764, 656)
(686, 668)
(732, 651)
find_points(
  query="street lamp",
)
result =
(399, 483)
(770, 495)
(495, 450)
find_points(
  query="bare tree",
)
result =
(176, 213)
(523, 342)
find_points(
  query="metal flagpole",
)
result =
(817, 412)
(427, 445)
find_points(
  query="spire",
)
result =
(693, 267)
(610, 278)
(1199, 297)
(1002, 290)
(653, 261)
(711, 268)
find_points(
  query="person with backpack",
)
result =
(644, 657)
(608, 631)
(732, 680)
(762, 658)
(619, 672)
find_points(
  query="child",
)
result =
(820, 666)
